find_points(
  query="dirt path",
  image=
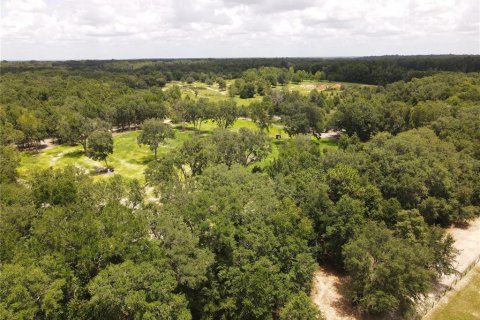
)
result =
(47, 144)
(467, 240)
(222, 93)
(326, 294)
(331, 134)
(328, 285)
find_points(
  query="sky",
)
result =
(129, 29)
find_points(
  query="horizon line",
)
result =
(246, 57)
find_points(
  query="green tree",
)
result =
(163, 175)
(28, 292)
(100, 145)
(247, 91)
(388, 274)
(262, 113)
(244, 147)
(222, 84)
(198, 112)
(226, 113)
(155, 132)
(303, 118)
(8, 134)
(300, 307)
(87, 127)
(32, 128)
(186, 258)
(69, 126)
(361, 118)
(9, 161)
(142, 290)
(195, 153)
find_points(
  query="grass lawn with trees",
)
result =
(130, 159)
(199, 89)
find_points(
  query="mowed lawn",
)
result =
(464, 304)
(130, 160)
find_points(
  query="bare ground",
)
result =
(321, 87)
(467, 241)
(327, 295)
(331, 134)
(328, 286)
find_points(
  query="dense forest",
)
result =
(213, 231)
(368, 70)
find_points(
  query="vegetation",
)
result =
(462, 304)
(100, 145)
(154, 132)
(229, 218)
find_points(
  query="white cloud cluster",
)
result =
(71, 29)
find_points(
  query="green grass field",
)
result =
(464, 304)
(212, 92)
(129, 159)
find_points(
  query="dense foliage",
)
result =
(215, 232)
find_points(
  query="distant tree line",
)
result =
(370, 70)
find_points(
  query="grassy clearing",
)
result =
(464, 304)
(130, 160)
(201, 90)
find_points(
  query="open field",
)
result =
(130, 159)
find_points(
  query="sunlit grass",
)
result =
(130, 159)
(464, 304)
(198, 89)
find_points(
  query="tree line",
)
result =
(372, 70)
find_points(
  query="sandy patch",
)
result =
(331, 134)
(327, 287)
(326, 294)
(216, 90)
(321, 87)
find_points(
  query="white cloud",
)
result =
(67, 29)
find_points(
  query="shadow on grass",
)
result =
(142, 161)
(74, 154)
(189, 129)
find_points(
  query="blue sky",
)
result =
(120, 29)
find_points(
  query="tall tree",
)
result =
(226, 113)
(262, 113)
(388, 274)
(100, 145)
(154, 132)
